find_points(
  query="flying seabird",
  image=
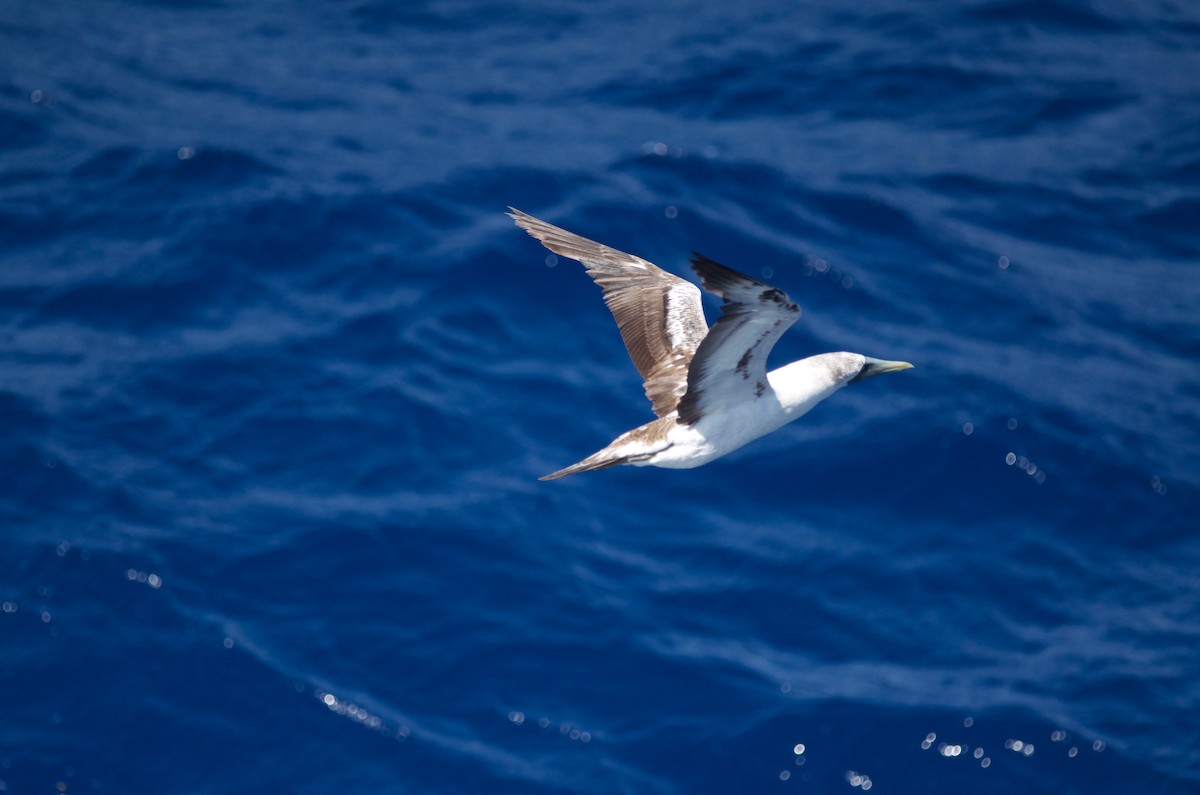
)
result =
(709, 386)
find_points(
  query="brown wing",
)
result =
(659, 315)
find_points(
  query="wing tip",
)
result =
(524, 220)
(720, 279)
(703, 264)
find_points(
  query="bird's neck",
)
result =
(801, 385)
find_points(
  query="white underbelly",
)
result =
(717, 435)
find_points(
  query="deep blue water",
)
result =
(277, 378)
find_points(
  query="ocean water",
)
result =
(278, 377)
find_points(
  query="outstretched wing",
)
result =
(730, 366)
(659, 315)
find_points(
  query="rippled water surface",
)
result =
(278, 377)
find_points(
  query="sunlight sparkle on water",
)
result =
(1028, 467)
(359, 715)
(859, 780)
(953, 750)
(153, 580)
(661, 149)
(565, 728)
(1019, 746)
(817, 267)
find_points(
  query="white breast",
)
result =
(793, 392)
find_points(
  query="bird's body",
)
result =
(709, 386)
(791, 392)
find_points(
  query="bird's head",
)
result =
(801, 385)
(873, 367)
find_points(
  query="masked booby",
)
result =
(709, 387)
